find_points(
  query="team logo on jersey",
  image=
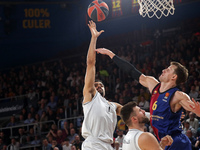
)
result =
(155, 92)
(166, 95)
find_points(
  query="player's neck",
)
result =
(141, 128)
(164, 86)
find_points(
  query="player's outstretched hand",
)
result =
(105, 51)
(166, 141)
(93, 30)
(196, 108)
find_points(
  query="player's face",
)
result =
(167, 74)
(100, 88)
(142, 118)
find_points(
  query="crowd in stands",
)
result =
(54, 93)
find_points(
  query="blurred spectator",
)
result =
(197, 144)
(52, 131)
(65, 128)
(1, 143)
(52, 103)
(193, 61)
(77, 104)
(5, 139)
(14, 145)
(143, 93)
(73, 147)
(143, 103)
(120, 138)
(192, 139)
(121, 125)
(80, 134)
(79, 121)
(43, 118)
(77, 143)
(11, 93)
(32, 111)
(50, 138)
(42, 101)
(187, 127)
(31, 94)
(46, 145)
(36, 140)
(71, 125)
(115, 145)
(118, 84)
(72, 135)
(41, 109)
(198, 132)
(51, 115)
(21, 136)
(24, 113)
(61, 89)
(37, 118)
(31, 133)
(4, 147)
(12, 122)
(121, 100)
(136, 94)
(29, 119)
(60, 114)
(187, 114)
(60, 137)
(66, 103)
(21, 120)
(55, 144)
(196, 85)
(28, 140)
(194, 122)
(44, 95)
(66, 145)
(193, 93)
(53, 94)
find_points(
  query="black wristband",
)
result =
(127, 67)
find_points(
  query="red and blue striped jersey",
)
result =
(163, 120)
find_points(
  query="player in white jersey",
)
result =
(136, 138)
(100, 115)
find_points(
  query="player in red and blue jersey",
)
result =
(167, 100)
(164, 121)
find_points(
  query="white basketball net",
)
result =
(156, 8)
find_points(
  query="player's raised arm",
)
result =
(89, 89)
(187, 103)
(146, 81)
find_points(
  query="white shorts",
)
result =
(92, 143)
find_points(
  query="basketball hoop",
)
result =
(156, 8)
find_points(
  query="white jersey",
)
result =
(120, 140)
(99, 123)
(130, 141)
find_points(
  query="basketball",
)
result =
(98, 10)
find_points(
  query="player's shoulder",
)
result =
(88, 97)
(148, 141)
(145, 136)
(152, 82)
(180, 95)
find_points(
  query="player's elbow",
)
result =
(91, 62)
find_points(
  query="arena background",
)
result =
(43, 48)
(65, 26)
